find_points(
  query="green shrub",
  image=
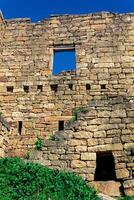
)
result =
(21, 180)
(39, 144)
(75, 115)
(126, 198)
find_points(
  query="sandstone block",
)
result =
(110, 188)
(122, 173)
(78, 164)
(118, 113)
(88, 156)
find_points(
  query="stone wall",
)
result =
(106, 126)
(104, 48)
(104, 59)
(4, 132)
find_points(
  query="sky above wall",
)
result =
(39, 9)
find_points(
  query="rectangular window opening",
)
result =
(26, 88)
(132, 152)
(10, 88)
(20, 127)
(88, 87)
(61, 126)
(54, 87)
(70, 86)
(103, 86)
(40, 88)
(64, 59)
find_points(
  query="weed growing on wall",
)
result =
(39, 144)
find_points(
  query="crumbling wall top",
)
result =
(1, 17)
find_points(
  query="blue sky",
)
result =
(39, 9)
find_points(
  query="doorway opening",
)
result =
(105, 167)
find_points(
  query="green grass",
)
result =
(126, 198)
(20, 180)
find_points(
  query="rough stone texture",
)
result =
(110, 188)
(104, 60)
(4, 131)
(105, 197)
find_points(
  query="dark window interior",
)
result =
(20, 127)
(70, 86)
(88, 86)
(132, 152)
(40, 88)
(64, 60)
(54, 87)
(26, 88)
(105, 167)
(103, 86)
(61, 125)
(9, 88)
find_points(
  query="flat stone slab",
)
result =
(105, 197)
(110, 188)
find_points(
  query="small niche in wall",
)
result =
(132, 152)
(10, 89)
(103, 86)
(61, 126)
(70, 86)
(105, 167)
(88, 86)
(64, 59)
(26, 88)
(54, 87)
(40, 88)
(20, 127)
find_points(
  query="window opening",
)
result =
(88, 86)
(61, 125)
(40, 88)
(26, 88)
(70, 86)
(103, 86)
(9, 88)
(20, 127)
(64, 60)
(54, 87)
(132, 152)
(105, 167)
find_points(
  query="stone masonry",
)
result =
(103, 83)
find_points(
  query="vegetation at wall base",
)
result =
(21, 180)
(126, 198)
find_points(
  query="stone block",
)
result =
(110, 188)
(78, 164)
(88, 156)
(122, 173)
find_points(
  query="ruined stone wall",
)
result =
(104, 56)
(106, 126)
(4, 132)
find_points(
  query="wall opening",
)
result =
(9, 88)
(88, 86)
(103, 86)
(40, 88)
(105, 167)
(26, 88)
(64, 59)
(54, 87)
(20, 127)
(61, 126)
(70, 86)
(132, 152)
